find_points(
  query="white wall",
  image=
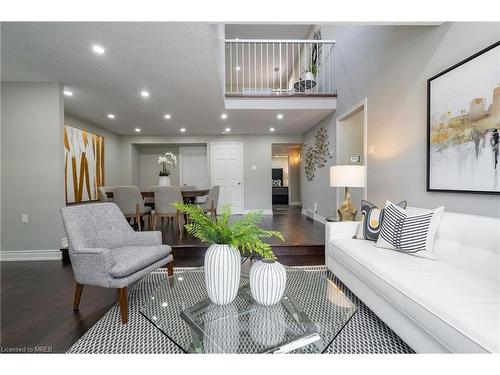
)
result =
(350, 142)
(149, 167)
(113, 175)
(390, 66)
(32, 165)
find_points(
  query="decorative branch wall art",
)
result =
(310, 163)
(317, 156)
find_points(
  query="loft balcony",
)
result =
(279, 74)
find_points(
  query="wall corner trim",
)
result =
(317, 217)
(29, 255)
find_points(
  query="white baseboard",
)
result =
(294, 203)
(29, 255)
(317, 217)
(265, 211)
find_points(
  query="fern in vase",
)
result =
(243, 234)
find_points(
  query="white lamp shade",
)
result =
(347, 176)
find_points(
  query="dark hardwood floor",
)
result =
(37, 297)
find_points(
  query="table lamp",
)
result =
(347, 176)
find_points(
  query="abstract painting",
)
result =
(83, 164)
(463, 119)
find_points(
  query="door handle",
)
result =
(239, 183)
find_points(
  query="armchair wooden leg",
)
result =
(138, 217)
(170, 268)
(122, 301)
(78, 296)
(181, 229)
(170, 273)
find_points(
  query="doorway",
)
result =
(285, 177)
(227, 167)
(352, 147)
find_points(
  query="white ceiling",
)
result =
(267, 31)
(175, 62)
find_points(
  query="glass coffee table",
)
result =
(310, 315)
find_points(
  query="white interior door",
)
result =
(193, 166)
(227, 172)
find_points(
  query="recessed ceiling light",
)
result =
(238, 68)
(223, 116)
(223, 132)
(145, 94)
(168, 116)
(137, 130)
(279, 116)
(98, 49)
(110, 115)
(228, 130)
(68, 93)
(271, 129)
(183, 130)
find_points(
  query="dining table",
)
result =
(189, 195)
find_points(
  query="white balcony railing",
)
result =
(278, 67)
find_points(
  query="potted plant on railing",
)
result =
(310, 72)
(167, 158)
(223, 259)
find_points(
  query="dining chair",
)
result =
(106, 252)
(165, 196)
(131, 203)
(212, 201)
(150, 200)
(101, 193)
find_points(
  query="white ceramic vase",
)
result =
(222, 273)
(267, 281)
(164, 181)
(308, 76)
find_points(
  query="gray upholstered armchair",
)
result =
(105, 251)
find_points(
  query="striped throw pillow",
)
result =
(408, 233)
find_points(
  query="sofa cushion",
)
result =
(130, 259)
(408, 232)
(459, 308)
(470, 242)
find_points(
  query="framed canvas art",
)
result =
(463, 125)
(83, 164)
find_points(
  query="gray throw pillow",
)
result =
(372, 217)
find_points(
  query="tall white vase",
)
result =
(222, 273)
(267, 281)
(164, 181)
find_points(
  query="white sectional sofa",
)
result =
(447, 304)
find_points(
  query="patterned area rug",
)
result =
(364, 334)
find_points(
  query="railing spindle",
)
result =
(230, 67)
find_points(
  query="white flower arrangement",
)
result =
(168, 158)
